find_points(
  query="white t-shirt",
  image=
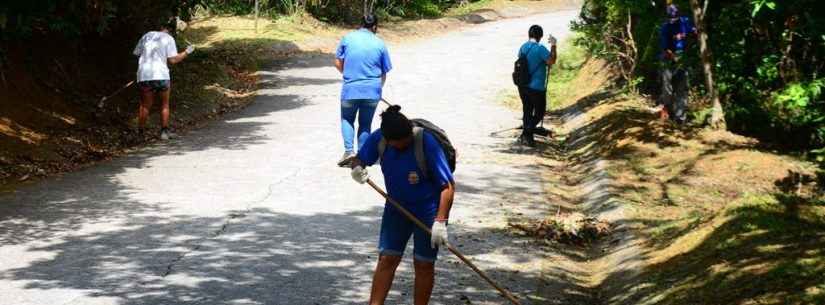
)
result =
(154, 49)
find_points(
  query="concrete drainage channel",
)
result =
(598, 273)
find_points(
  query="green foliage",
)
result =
(335, 11)
(799, 106)
(570, 60)
(426, 8)
(768, 54)
(759, 4)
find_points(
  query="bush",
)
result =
(769, 60)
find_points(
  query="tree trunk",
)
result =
(717, 117)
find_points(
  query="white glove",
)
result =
(360, 175)
(189, 49)
(439, 237)
(551, 40)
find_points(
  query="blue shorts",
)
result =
(396, 230)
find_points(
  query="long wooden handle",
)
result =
(100, 104)
(504, 292)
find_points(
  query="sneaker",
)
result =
(165, 134)
(526, 141)
(543, 131)
(346, 159)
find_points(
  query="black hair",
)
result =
(369, 21)
(535, 32)
(394, 125)
(169, 23)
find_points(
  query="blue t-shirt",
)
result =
(365, 59)
(404, 180)
(537, 56)
(669, 30)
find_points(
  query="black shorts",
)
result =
(155, 86)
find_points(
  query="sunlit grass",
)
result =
(568, 63)
(472, 6)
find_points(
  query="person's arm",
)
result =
(386, 64)
(368, 153)
(441, 174)
(664, 43)
(552, 60)
(341, 54)
(173, 56)
(446, 202)
(339, 64)
(178, 58)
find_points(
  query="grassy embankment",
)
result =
(724, 219)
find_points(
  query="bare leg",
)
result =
(147, 97)
(164, 113)
(382, 280)
(424, 280)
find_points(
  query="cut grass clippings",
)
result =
(567, 228)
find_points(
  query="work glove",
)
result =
(360, 174)
(551, 40)
(189, 49)
(440, 235)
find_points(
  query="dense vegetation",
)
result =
(768, 59)
(84, 20)
(336, 11)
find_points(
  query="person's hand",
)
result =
(440, 235)
(551, 40)
(189, 49)
(680, 36)
(360, 174)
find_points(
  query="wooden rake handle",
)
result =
(504, 292)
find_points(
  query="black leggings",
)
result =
(533, 104)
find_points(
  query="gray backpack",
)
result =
(419, 126)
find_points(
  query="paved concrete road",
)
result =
(252, 210)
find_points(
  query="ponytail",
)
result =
(394, 125)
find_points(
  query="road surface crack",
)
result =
(170, 267)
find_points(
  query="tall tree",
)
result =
(717, 117)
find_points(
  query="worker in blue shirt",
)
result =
(428, 196)
(534, 95)
(674, 77)
(364, 61)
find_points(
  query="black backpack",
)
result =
(521, 70)
(419, 126)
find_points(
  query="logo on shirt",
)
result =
(412, 177)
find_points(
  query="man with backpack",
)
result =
(530, 75)
(417, 162)
(674, 76)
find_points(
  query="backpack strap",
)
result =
(528, 62)
(418, 145)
